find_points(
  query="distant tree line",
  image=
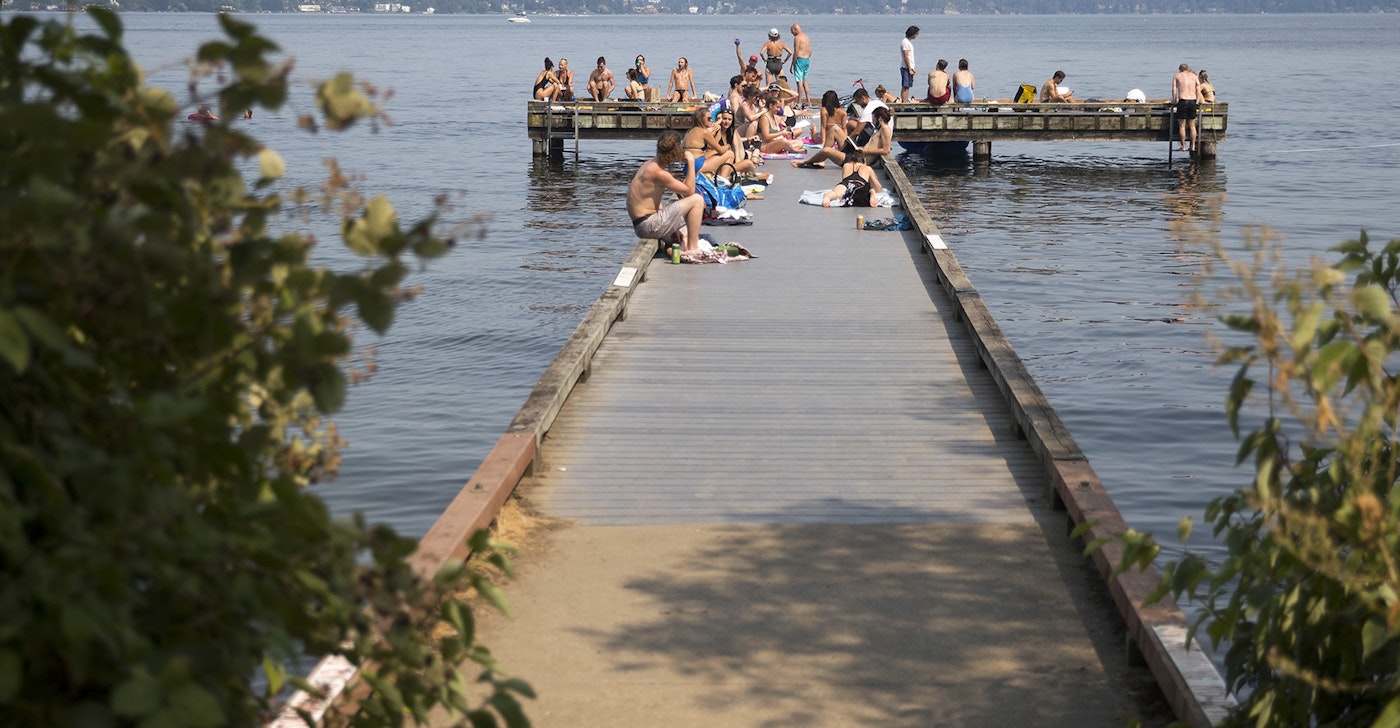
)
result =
(767, 7)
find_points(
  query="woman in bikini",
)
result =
(725, 136)
(833, 114)
(681, 80)
(777, 138)
(750, 109)
(1206, 89)
(546, 84)
(701, 142)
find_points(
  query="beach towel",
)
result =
(712, 252)
(814, 197)
(783, 155)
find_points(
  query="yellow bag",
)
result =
(1025, 94)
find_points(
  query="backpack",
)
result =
(716, 195)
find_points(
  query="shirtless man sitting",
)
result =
(600, 81)
(650, 219)
(940, 88)
(1050, 92)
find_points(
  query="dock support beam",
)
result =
(538, 147)
(1205, 149)
(981, 151)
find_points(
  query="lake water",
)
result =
(1071, 244)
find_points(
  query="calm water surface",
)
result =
(1071, 244)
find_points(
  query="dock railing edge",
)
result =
(480, 500)
(1188, 679)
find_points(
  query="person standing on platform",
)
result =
(1186, 88)
(775, 56)
(963, 83)
(650, 219)
(906, 62)
(600, 81)
(801, 62)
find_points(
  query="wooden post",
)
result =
(1204, 149)
(538, 147)
(981, 151)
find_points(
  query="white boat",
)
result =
(519, 18)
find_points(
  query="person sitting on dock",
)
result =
(884, 94)
(700, 141)
(871, 142)
(566, 80)
(682, 82)
(1207, 88)
(650, 219)
(546, 84)
(777, 138)
(963, 83)
(940, 86)
(867, 106)
(1050, 92)
(600, 81)
(857, 187)
(832, 114)
(634, 90)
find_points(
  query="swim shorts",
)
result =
(799, 69)
(906, 79)
(1186, 109)
(774, 65)
(660, 224)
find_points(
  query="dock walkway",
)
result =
(795, 495)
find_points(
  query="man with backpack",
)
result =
(651, 219)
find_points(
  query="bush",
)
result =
(166, 363)
(1307, 598)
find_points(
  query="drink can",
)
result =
(860, 222)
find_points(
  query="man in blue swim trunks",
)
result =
(801, 59)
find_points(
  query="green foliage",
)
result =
(1308, 596)
(166, 362)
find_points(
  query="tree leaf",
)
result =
(14, 344)
(271, 165)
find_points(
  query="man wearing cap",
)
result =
(744, 68)
(775, 55)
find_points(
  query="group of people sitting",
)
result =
(862, 131)
(558, 85)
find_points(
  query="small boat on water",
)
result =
(519, 18)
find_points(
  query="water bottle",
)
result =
(676, 254)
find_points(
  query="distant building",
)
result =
(309, 8)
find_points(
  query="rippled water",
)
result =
(1071, 244)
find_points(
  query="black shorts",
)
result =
(1186, 109)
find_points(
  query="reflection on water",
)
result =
(1088, 267)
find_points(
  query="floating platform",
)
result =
(550, 124)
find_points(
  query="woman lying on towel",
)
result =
(857, 187)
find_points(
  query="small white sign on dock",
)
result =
(624, 277)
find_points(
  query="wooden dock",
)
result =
(815, 488)
(550, 125)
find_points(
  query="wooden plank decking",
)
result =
(816, 488)
(823, 382)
